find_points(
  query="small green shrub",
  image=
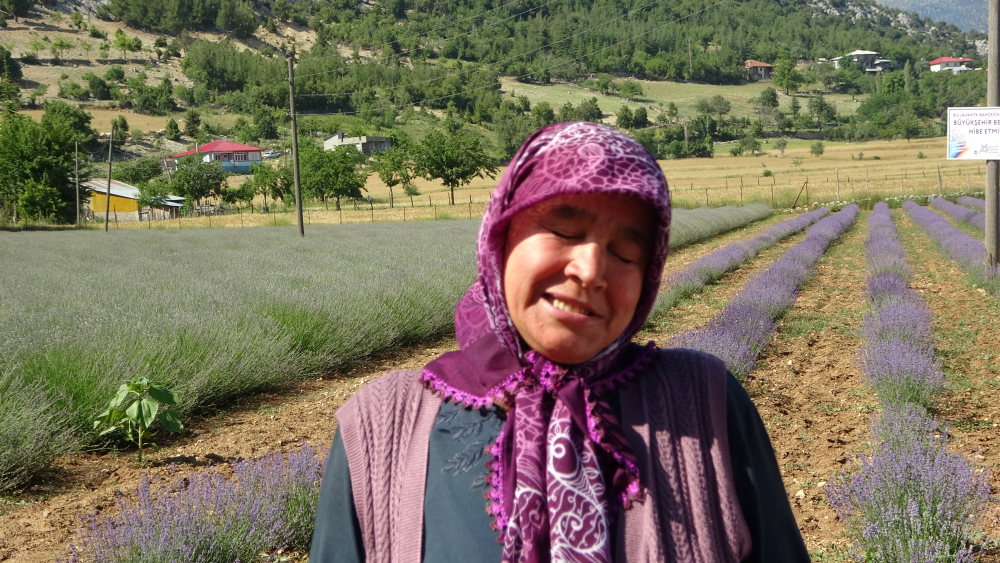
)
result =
(134, 409)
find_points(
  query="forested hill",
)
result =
(966, 14)
(702, 40)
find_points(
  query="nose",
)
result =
(587, 265)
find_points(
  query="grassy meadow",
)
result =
(656, 92)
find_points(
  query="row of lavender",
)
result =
(968, 252)
(961, 213)
(744, 327)
(975, 202)
(703, 271)
(268, 504)
(911, 499)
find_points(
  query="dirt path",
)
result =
(810, 392)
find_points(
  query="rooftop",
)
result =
(949, 60)
(753, 63)
(218, 146)
(127, 191)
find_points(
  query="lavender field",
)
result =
(218, 314)
(869, 360)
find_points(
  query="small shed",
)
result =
(365, 144)
(233, 156)
(757, 70)
(124, 204)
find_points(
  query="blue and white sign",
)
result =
(973, 133)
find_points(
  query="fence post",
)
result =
(901, 184)
(967, 179)
(404, 214)
(741, 191)
(868, 183)
(241, 217)
(940, 182)
(341, 210)
(435, 210)
(706, 196)
(836, 171)
(470, 206)
(772, 192)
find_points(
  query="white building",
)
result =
(950, 63)
(364, 144)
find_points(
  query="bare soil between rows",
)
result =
(808, 388)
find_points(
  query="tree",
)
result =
(785, 76)
(122, 43)
(36, 162)
(543, 114)
(17, 8)
(781, 144)
(192, 123)
(512, 127)
(795, 107)
(672, 111)
(630, 89)
(120, 126)
(720, 105)
(639, 118)
(394, 167)
(821, 110)
(153, 194)
(137, 172)
(267, 181)
(76, 18)
(817, 149)
(9, 68)
(335, 173)
(58, 46)
(768, 98)
(454, 159)
(173, 131)
(624, 117)
(194, 179)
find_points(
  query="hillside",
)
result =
(966, 14)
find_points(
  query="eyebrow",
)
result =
(572, 213)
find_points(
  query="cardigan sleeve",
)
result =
(337, 535)
(759, 488)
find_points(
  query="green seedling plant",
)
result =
(135, 408)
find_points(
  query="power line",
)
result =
(585, 55)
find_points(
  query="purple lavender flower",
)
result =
(269, 503)
(707, 269)
(972, 202)
(744, 327)
(961, 214)
(968, 252)
(918, 502)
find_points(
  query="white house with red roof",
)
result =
(233, 156)
(955, 65)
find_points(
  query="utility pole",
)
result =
(107, 195)
(295, 144)
(993, 166)
(690, 61)
(76, 172)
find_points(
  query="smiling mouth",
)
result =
(563, 306)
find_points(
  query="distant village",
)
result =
(871, 61)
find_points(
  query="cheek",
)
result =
(624, 296)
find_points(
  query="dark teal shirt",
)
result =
(457, 526)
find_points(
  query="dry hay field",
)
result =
(807, 384)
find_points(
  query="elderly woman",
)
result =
(550, 435)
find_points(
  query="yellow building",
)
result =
(124, 204)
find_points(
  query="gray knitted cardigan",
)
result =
(673, 416)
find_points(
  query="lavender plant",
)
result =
(968, 252)
(688, 226)
(912, 500)
(972, 202)
(705, 270)
(744, 327)
(898, 354)
(960, 213)
(269, 503)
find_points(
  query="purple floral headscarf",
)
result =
(550, 462)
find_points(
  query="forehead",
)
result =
(630, 216)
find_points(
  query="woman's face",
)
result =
(573, 272)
